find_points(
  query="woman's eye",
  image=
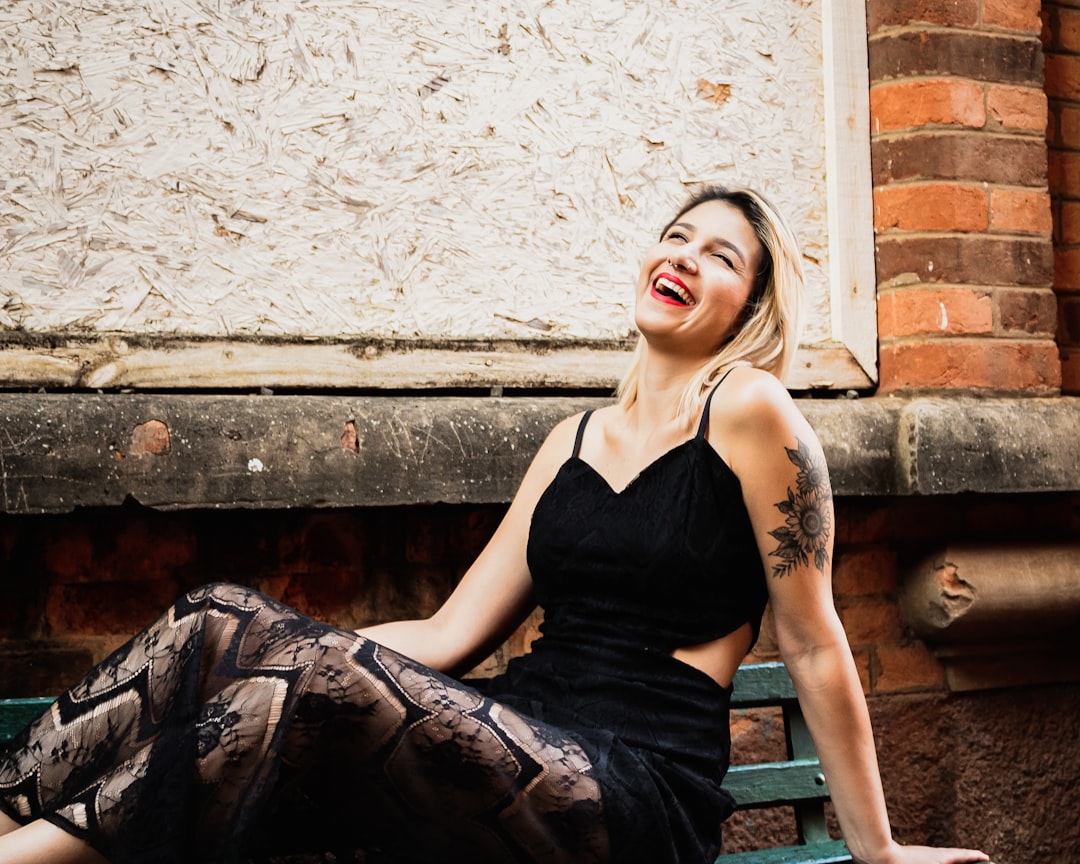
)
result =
(676, 235)
(725, 259)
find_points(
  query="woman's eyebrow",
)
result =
(727, 244)
(720, 241)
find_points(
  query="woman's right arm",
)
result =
(495, 595)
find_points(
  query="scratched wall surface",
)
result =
(402, 169)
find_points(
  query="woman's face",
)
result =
(695, 282)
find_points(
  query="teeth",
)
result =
(668, 287)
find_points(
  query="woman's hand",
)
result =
(898, 854)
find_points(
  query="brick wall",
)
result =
(75, 586)
(1061, 46)
(941, 755)
(965, 260)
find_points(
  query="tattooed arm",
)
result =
(785, 482)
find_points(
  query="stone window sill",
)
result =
(176, 451)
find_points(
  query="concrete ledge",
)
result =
(998, 615)
(979, 593)
(989, 445)
(174, 451)
(59, 452)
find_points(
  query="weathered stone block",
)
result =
(33, 668)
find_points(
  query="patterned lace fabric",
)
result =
(234, 727)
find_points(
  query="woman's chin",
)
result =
(656, 320)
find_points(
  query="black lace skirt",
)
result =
(235, 728)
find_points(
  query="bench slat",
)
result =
(759, 684)
(769, 784)
(16, 713)
(829, 852)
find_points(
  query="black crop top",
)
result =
(625, 578)
(670, 561)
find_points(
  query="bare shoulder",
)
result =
(753, 421)
(785, 482)
(753, 404)
(556, 448)
(562, 434)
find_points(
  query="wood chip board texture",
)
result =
(404, 169)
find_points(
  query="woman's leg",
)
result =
(42, 841)
(174, 745)
(113, 758)
(385, 753)
(7, 824)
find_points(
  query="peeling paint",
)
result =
(349, 439)
(955, 598)
(151, 437)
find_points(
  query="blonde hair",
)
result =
(768, 336)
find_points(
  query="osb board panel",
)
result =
(403, 170)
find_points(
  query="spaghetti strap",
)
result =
(703, 424)
(581, 431)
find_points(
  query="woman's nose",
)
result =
(683, 261)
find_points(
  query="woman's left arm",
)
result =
(785, 482)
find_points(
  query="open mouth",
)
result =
(669, 290)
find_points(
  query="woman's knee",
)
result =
(223, 593)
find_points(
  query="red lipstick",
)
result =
(669, 288)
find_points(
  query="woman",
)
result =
(652, 531)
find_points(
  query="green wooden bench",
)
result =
(796, 782)
(16, 713)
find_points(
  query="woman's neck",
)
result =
(661, 382)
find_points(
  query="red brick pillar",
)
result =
(1061, 44)
(964, 251)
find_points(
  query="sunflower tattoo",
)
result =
(805, 533)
